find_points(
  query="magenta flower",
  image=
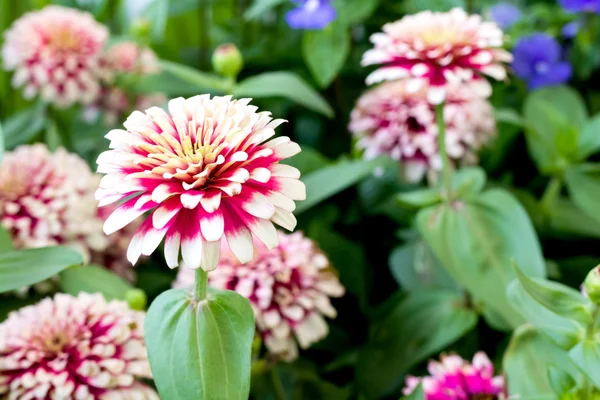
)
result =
(288, 287)
(391, 120)
(56, 53)
(206, 170)
(69, 347)
(437, 48)
(456, 379)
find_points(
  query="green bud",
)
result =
(136, 298)
(227, 60)
(592, 285)
(140, 28)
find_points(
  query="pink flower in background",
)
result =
(438, 48)
(456, 379)
(288, 287)
(392, 120)
(207, 169)
(69, 347)
(48, 199)
(115, 103)
(55, 53)
(128, 57)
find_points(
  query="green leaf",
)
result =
(325, 51)
(334, 178)
(157, 14)
(6, 244)
(421, 324)
(308, 160)
(25, 267)
(351, 12)
(24, 125)
(1, 143)
(93, 279)
(526, 361)
(568, 219)
(53, 140)
(477, 240)
(416, 394)
(560, 381)
(415, 267)
(200, 350)
(199, 80)
(415, 6)
(554, 117)
(583, 183)
(283, 84)
(586, 355)
(564, 331)
(509, 116)
(420, 198)
(259, 7)
(589, 138)
(558, 298)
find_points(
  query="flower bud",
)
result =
(592, 285)
(227, 60)
(136, 298)
(140, 28)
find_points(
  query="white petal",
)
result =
(172, 250)
(212, 226)
(191, 252)
(259, 206)
(211, 202)
(292, 188)
(265, 232)
(241, 245)
(210, 255)
(284, 219)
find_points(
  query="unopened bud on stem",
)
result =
(227, 60)
(592, 285)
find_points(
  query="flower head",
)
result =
(311, 14)
(571, 29)
(438, 48)
(504, 14)
(48, 199)
(392, 120)
(538, 61)
(207, 170)
(456, 379)
(576, 6)
(288, 287)
(69, 347)
(55, 52)
(128, 57)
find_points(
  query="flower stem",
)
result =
(549, 197)
(200, 284)
(278, 389)
(446, 173)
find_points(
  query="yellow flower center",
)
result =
(64, 39)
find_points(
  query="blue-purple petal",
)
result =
(309, 16)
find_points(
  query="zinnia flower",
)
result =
(456, 379)
(206, 171)
(48, 199)
(538, 61)
(311, 14)
(128, 57)
(505, 14)
(392, 120)
(55, 52)
(74, 348)
(288, 287)
(438, 48)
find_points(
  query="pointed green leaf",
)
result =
(477, 240)
(325, 51)
(6, 244)
(586, 355)
(583, 183)
(260, 7)
(283, 84)
(25, 267)
(589, 139)
(199, 80)
(202, 350)
(94, 279)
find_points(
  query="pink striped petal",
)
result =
(166, 190)
(212, 226)
(211, 201)
(125, 214)
(191, 199)
(164, 213)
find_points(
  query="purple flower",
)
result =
(574, 6)
(570, 30)
(537, 60)
(311, 14)
(504, 14)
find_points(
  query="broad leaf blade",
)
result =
(94, 279)
(25, 267)
(325, 52)
(283, 84)
(583, 183)
(200, 350)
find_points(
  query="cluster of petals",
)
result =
(437, 49)
(207, 169)
(289, 289)
(392, 120)
(69, 347)
(48, 199)
(454, 378)
(56, 53)
(129, 57)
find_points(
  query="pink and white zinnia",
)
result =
(438, 48)
(456, 379)
(208, 169)
(69, 347)
(56, 53)
(288, 287)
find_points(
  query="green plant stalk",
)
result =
(588, 387)
(278, 389)
(550, 194)
(446, 172)
(200, 284)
